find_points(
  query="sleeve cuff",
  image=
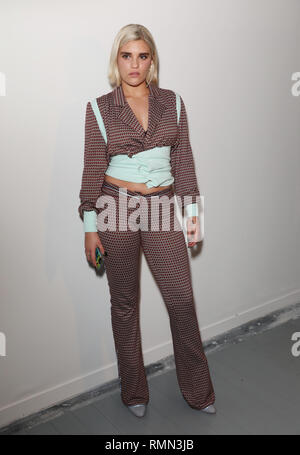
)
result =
(192, 210)
(90, 221)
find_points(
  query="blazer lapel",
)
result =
(125, 113)
(156, 110)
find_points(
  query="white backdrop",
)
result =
(232, 61)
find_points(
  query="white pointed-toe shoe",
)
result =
(138, 409)
(209, 409)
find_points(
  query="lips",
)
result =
(134, 74)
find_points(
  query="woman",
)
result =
(137, 144)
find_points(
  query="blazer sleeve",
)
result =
(182, 164)
(94, 165)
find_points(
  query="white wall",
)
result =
(232, 61)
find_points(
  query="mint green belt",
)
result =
(151, 167)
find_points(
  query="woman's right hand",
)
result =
(92, 240)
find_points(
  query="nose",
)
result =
(135, 62)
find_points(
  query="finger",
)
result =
(193, 238)
(93, 258)
(101, 248)
(190, 244)
(191, 241)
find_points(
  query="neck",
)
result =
(138, 91)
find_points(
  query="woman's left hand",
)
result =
(193, 230)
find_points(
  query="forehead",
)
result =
(135, 46)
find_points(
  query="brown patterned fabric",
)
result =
(167, 256)
(126, 135)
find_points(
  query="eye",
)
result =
(143, 57)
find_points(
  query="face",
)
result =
(134, 60)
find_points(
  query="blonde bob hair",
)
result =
(132, 32)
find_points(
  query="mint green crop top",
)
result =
(152, 167)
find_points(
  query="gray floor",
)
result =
(256, 384)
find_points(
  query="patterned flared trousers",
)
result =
(166, 253)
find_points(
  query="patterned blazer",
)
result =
(126, 135)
